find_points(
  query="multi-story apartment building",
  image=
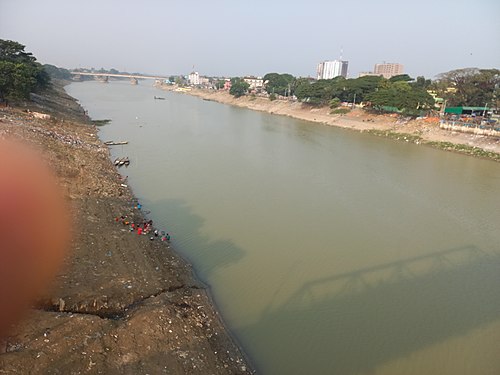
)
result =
(332, 69)
(194, 78)
(388, 70)
(256, 83)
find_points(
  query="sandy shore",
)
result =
(123, 304)
(422, 131)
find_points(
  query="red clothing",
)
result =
(139, 231)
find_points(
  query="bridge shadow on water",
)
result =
(357, 321)
(353, 322)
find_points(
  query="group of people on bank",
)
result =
(144, 228)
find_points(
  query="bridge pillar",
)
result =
(103, 79)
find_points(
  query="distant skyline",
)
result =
(236, 38)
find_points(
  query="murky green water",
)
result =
(328, 251)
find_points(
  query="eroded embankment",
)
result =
(123, 304)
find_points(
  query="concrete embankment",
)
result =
(466, 128)
(123, 304)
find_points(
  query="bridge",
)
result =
(105, 76)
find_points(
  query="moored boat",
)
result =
(113, 143)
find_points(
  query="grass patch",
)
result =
(340, 111)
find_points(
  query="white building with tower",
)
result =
(194, 78)
(332, 69)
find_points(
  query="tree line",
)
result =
(402, 93)
(470, 87)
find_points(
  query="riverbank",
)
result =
(123, 304)
(423, 131)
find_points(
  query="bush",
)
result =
(334, 103)
(272, 96)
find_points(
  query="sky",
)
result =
(255, 37)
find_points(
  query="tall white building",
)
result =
(194, 78)
(332, 69)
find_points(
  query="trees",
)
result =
(400, 77)
(322, 91)
(422, 83)
(403, 96)
(11, 51)
(20, 73)
(409, 97)
(16, 80)
(238, 87)
(334, 103)
(470, 87)
(302, 89)
(180, 81)
(280, 84)
(55, 72)
(358, 88)
(219, 84)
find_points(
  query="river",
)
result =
(327, 251)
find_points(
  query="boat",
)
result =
(113, 143)
(159, 98)
(119, 162)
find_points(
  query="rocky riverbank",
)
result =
(123, 304)
(424, 131)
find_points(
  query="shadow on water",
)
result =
(206, 254)
(362, 319)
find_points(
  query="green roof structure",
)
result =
(462, 110)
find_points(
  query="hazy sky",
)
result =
(236, 37)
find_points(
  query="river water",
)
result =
(327, 251)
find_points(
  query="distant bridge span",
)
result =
(117, 75)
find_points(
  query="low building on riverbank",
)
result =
(256, 83)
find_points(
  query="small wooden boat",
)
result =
(119, 162)
(113, 143)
